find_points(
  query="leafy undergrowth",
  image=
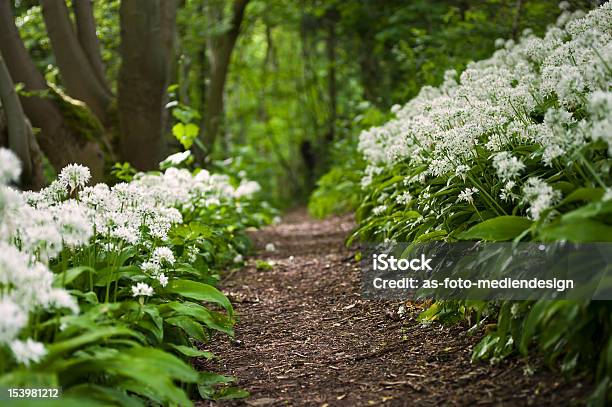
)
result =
(515, 148)
(102, 289)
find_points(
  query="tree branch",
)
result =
(77, 73)
(16, 120)
(86, 34)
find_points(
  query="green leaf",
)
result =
(213, 320)
(192, 328)
(539, 314)
(231, 393)
(106, 395)
(589, 211)
(577, 231)
(152, 373)
(209, 381)
(68, 276)
(164, 361)
(153, 324)
(485, 347)
(191, 351)
(431, 236)
(57, 349)
(499, 229)
(25, 378)
(200, 292)
(185, 133)
(583, 194)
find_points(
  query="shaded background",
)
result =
(277, 89)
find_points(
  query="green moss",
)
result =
(78, 116)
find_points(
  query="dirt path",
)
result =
(305, 337)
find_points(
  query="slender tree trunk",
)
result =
(143, 80)
(370, 73)
(221, 48)
(36, 180)
(77, 73)
(15, 119)
(20, 137)
(63, 141)
(86, 34)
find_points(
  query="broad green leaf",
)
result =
(58, 348)
(213, 320)
(200, 292)
(231, 393)
(192, 328)
(485, 347)
(589, 211)
(25, 378)
(163, 361)
(191, 351)
(209, 381)
(152, 372)
(431, 236)
(68, 276)
(539, 313)
(577, 231)
(107, 395)
(583, 194)
(499, 229)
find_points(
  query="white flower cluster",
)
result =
(36, 226)
(496, 104)
(26, 283)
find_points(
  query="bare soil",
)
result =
(307, 338)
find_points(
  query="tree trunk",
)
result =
(73, 138)
(86, 34)
(16, 121)
(143, 80)
(20, 138)
(37, 178)
(221, 48)
(169, 39)
(75, 69)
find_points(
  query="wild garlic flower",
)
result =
(14, 319)
(163, 280)
(540, 196)
(151, 268)
(506, 193)
(75, 176)
(404, 198)
(379, 210)
(163, 255)
(142, 290)
(28, 351)
(507, 166)
(247, 189)
(493, 103)
(10, 166)
(467, 195)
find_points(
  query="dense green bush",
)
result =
(515, 148)
(102, 289)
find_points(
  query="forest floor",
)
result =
(306, 337)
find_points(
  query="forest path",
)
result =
(305, 337)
